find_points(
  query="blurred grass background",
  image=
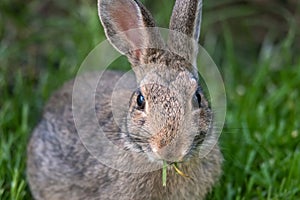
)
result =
(255, 43)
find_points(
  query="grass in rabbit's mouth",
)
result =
(179, 171)
(164, 172)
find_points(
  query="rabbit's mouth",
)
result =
(145, 146)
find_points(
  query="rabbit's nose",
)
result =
(169, 156)
(170, 152)
(169, 143)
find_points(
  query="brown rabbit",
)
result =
(165, 117)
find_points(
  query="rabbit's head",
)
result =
(168, 116)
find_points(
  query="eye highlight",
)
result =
(140, 100)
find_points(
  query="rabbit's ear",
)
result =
(185, 28)
(130, 28)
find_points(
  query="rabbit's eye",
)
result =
(198, 96)
(140, 101)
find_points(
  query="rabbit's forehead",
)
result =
(176, 83)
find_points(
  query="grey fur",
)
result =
(171, 127)
(185, 29)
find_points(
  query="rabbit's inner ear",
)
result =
(127, 25)
(127, 17)
(118, 18)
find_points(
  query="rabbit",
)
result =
(165, 118)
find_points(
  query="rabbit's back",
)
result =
(59, 166)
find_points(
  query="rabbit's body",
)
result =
(60, 167)
(66, 170)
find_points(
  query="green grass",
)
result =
(261, 142)
(42, 48)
